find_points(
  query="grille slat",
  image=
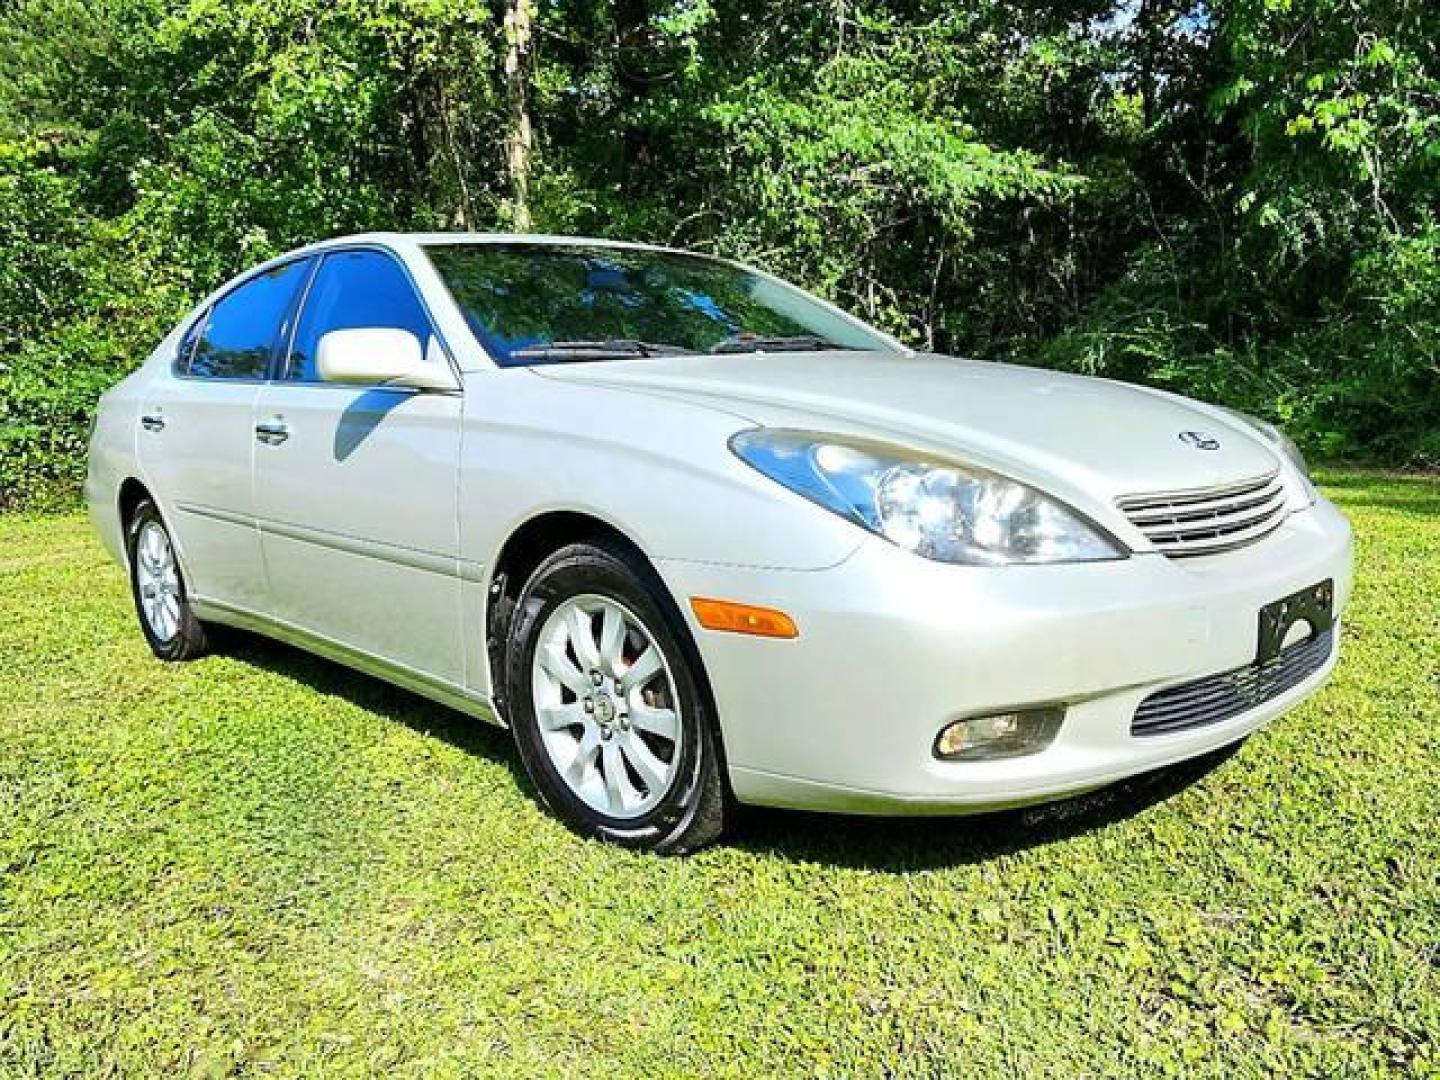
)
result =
(1231, 693)
(1197, 495)
(1203, 508)
(1201, 522)
(1214, 527)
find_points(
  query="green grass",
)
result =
(261, 863)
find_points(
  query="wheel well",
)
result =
(132, 491)
(527, 547)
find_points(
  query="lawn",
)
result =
(262, 864)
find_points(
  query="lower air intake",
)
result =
(1227, 695)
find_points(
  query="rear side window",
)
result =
(354, 290)
(243, 325)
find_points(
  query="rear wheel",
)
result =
(608, 705)
(158, 585)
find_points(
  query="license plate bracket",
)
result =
(1314, 606)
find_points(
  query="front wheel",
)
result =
(607, 703)
(158, 585)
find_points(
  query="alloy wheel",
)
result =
(606, 705)
(157, 577)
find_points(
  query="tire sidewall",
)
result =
(585, 569)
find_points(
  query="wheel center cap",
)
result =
(604, 709)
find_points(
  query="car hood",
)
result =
(1087, 435)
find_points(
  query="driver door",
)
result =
(355, 486)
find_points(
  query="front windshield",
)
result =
(548, 304)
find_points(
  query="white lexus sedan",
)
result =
(695, 535)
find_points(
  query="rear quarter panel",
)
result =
(112, 459)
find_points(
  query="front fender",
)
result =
(658, 470)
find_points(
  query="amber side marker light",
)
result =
(743, 618)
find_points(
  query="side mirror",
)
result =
(382, 356)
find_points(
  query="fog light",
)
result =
(1003, 735)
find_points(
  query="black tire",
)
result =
(189, 638)
(692, 811)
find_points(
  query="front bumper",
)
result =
(892, 647)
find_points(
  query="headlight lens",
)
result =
(942, 511)
(1302, 491)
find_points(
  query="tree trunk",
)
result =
(632, 47)
(519, 21)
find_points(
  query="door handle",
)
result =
(272, 432)
(152, 421)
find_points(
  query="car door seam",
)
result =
(383, 550)
(414, 558)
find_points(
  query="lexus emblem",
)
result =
(1200, 440)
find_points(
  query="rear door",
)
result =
(196, 437)
(356, 486)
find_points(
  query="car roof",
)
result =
(412, 242)
(399, 242)
(429, 239)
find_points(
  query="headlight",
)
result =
(943, 511)
(1302, 491)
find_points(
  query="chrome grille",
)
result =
(1227, 695)
(1199, 522)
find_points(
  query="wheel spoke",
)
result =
(559, 666)
(661, 722)
(155, 547)
(612, 640)
(618, 788)
(646, 666)
(651, 770)
(559, 717)
(582, 638)
(145, 550)
(579, 765)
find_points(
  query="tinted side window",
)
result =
(243, 325)
(354, 290)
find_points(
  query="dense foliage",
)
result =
(1238, 199)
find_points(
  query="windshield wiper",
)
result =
(738, 343)
(609, 349)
